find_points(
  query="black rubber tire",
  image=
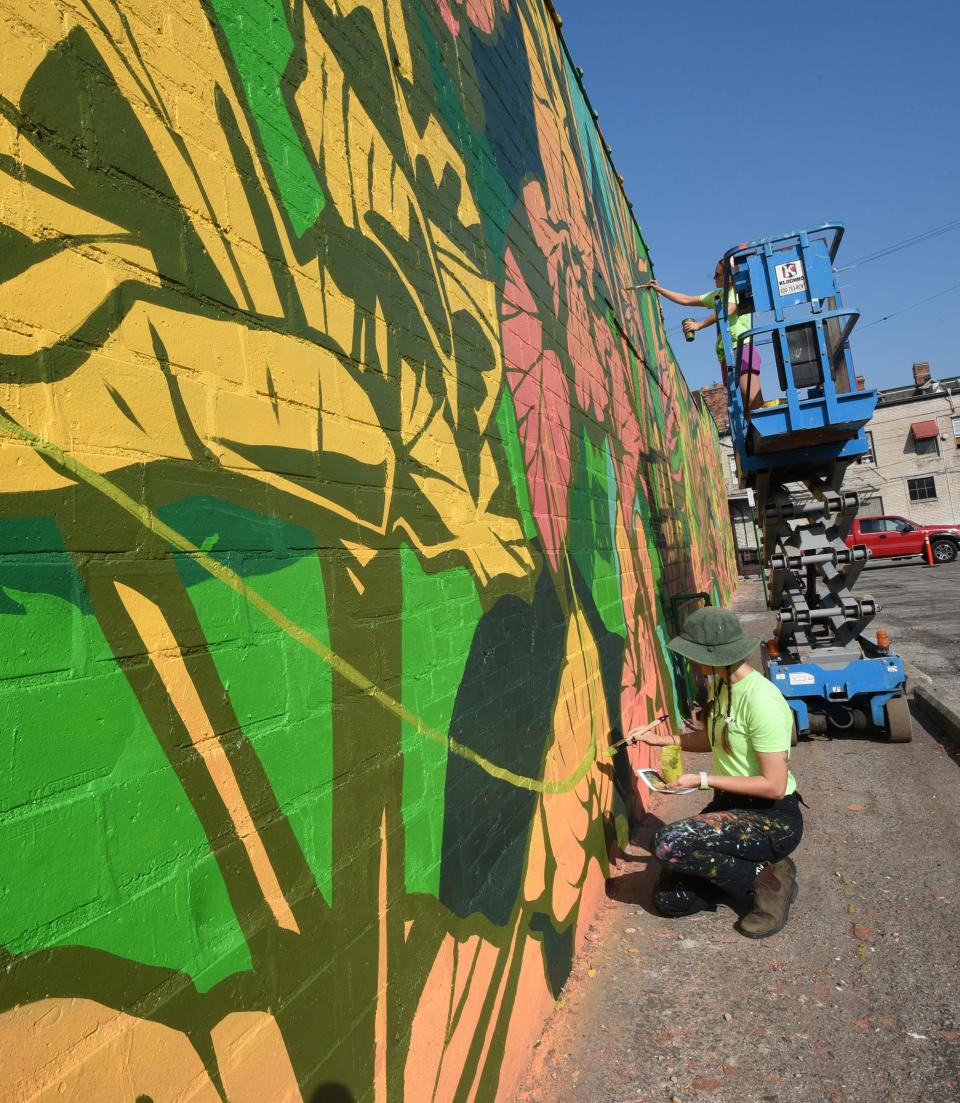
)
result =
(794, 737)
(899, 721)
(944, 551)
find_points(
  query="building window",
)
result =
(923, 489)
(733, 466)
(871, 456)
(927, 446)
(956, 430)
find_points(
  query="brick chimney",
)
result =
(715, 397)
(921, 373)
(861, 382)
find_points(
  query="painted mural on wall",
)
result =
(344, 492)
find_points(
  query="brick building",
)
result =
(912, 469)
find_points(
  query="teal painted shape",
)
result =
(593, 505)
(281, 692)
(101, 845)
(261, 45)
(635, 375)
(667, 656)
(506, 418)
(596, 160)
(440, 617)
(642, 507)
(491, 191)
(609, 201)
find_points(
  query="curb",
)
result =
(943, 707)
(916, 676)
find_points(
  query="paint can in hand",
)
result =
(671, 764)
(688, 331)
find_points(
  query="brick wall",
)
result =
(715, 399)
(345, 488)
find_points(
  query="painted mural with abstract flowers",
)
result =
(348, 489)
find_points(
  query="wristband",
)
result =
(703, 780)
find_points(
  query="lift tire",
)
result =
(899, 721)
(944, 551)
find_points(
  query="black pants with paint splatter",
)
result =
(720, 849)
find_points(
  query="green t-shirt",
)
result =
(738, 326)
(761, 721)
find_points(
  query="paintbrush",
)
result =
(632, 736)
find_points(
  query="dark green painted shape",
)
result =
(504, 712)
(262, 45)
(101, 845)
(281, 692)
(558, 950)
(84, 126)
(440, 617)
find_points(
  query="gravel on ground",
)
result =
(857, 1000)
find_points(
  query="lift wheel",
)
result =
(899, 721)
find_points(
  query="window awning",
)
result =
(925, 430)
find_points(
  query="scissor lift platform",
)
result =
(793, 450)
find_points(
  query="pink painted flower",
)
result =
(541, 399)
(482, 14)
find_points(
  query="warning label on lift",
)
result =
(790, 278)
(802, 679)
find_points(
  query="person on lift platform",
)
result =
(739, 313)
(740, 843)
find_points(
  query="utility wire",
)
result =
(889, 250)
(886, 251)
(915, 239)
(912, 306)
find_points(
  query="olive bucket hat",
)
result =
(713, 637)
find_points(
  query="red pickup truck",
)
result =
(889, 537)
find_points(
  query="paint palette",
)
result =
(654, 781)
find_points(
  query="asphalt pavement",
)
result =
(857, 1000)
(920, 606)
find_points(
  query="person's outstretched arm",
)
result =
(676, 296)
(693, 737)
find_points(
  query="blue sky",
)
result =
(731, 122)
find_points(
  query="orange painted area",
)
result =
(446, 1020)
(538, 1003)
(79, 1050)
(253, 1060)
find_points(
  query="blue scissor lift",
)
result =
(793, 452)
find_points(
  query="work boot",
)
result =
(675, 895)
(774, 890)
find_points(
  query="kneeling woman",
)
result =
(739, 843)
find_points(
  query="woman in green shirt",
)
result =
(739, 322)
(741, 841)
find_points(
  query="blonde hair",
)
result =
(713, 707)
